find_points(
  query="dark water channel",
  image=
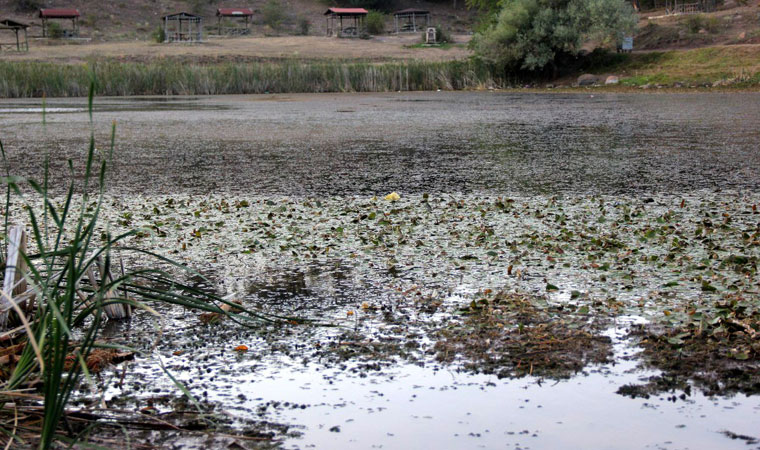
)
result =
(433, 142)
(309, 164)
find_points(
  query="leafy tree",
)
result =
(380, 5)
(273, 14)
(375, 22)
(533, 34)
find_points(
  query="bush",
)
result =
(695, 23)
(441, 36)
(303, 26)
(159, 35)
(54, 30)
(383, 5)
(531, 34)
(375, 22)
(273, 14)
(28, 5)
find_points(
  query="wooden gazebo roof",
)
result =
(182, 16)
(12, 24)
(58, 13)
(234, 12)
(410, 11)
(346, 12)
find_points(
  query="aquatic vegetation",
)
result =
(674, 260)
(35, 79)
(516, 335)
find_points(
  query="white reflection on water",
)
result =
(39, 110)
(424, 407)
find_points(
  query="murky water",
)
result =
(597, 153)
(410, 142)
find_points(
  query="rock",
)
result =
(702, 31)
(678, 84)
(587, 80)
(646, 86)
(612, 79)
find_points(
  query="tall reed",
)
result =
(66, 242)
(35, 79)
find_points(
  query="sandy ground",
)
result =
(250, 48)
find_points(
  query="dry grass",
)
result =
(248, 49)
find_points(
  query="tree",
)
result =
(531, 34)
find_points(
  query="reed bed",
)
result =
(37, 79)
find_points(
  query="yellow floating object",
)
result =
(393, 196)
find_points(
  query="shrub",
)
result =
(375, 22)
(303, 26)
(441, 36)
(54, 30)
(28, 5)
(159, 34)
(273, 14)
(696, 22)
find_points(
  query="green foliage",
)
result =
(485, 6)
(65, 246)
(442, 36)
(34, 79)
(696, 22)
(54, 30)
(197, 6)
(159, 34)
(531, 34)
(382, 5)
(375, 22)
(303, 26)
(28, 5)
(273, 14)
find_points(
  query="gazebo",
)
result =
(411, 20)
(354, 18)
(689, 6)
(47, 14)
(183, 27)
(241, 26)
(15, 27)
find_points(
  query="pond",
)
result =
(511, 298)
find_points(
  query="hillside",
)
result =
(716, 49)
(138, 19)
